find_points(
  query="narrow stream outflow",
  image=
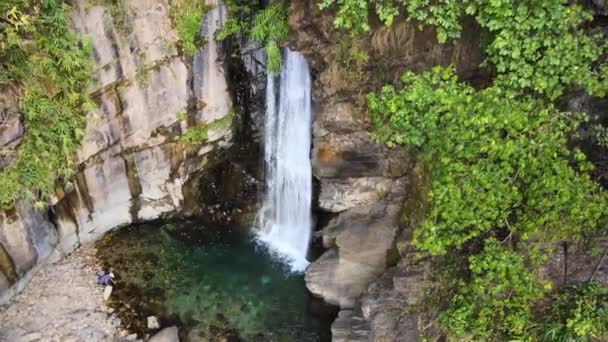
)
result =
(285, 219)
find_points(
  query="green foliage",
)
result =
(351, 14)
(269, 27)
(577, 314)
(494, 303)
(599, 135)
(537, 46)
(200, 134)
(495, 162)
(187, 16)
(502, 160)
(498, 166)
(51, 68)
(196, 135)
(273, 57)
(231, 27)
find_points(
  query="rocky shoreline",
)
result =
(62, 303)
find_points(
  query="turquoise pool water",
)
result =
(215, 284)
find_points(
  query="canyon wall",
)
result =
(376, 195)
(132, 165)
(363, 185)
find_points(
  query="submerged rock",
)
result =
(153, 323)
(166, 335)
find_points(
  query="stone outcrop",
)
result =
(360, 241)
(132, 166)
(26, 237)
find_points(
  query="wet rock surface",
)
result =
(62, 303)
(166, 335)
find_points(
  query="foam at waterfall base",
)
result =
(284, 222)
(282, 251)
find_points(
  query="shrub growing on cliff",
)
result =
(51, 68)
(268, 26)
(495, 162)
(577, 313)
(537, 46)
(501, 159)
(494, 304)
(187, 16)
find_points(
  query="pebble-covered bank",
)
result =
(62, 303)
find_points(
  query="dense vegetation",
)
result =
(267, 26)
(50, 68)
(507, 180)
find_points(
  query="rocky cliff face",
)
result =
(363, 184)
(132, 165)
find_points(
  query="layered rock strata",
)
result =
(132, 165)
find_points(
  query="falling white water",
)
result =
(285, 219)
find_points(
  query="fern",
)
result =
(51, 68)
(269, 27)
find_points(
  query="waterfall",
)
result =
(285, 218)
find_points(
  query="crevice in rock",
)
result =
(134, 186)
(7, 266)
(65, 208)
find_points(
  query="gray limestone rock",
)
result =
(362, 240)
(166, 335)
(350, 327)
(131, 166)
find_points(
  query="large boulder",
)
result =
(360, 240)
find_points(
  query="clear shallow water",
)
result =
(216, 284)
